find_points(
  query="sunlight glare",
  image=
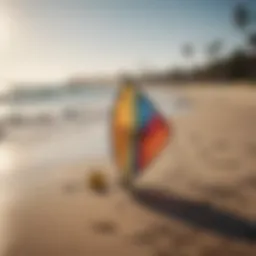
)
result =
(8, 158)
(5, 29)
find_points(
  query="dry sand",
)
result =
(207, 203)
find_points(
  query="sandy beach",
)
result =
(197, 199)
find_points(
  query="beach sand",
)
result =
(198, 198)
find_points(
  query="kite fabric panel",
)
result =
(140, 132)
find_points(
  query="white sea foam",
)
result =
(63, 142)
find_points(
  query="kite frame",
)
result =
(112, 117)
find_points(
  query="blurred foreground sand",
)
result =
(208, 174)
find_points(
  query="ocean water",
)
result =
(40, 146)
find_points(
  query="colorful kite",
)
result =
(139, 131)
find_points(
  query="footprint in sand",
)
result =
(175, 173)
(221, 145)
(218, 146)
(151, 235)
(251, 149)
(143, 238)
(165, 240)
(229, 164)
(71, 188)
(250, 181)
(105, 227)
(220, 191)
(221, 162)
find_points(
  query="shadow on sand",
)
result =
(196, 213)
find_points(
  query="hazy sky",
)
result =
(48, 40)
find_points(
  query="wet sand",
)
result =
(198, 198)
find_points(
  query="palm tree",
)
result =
(241, 17)
(214, 49)
(252, 41)
(187, 51)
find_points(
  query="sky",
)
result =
(52, 40)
